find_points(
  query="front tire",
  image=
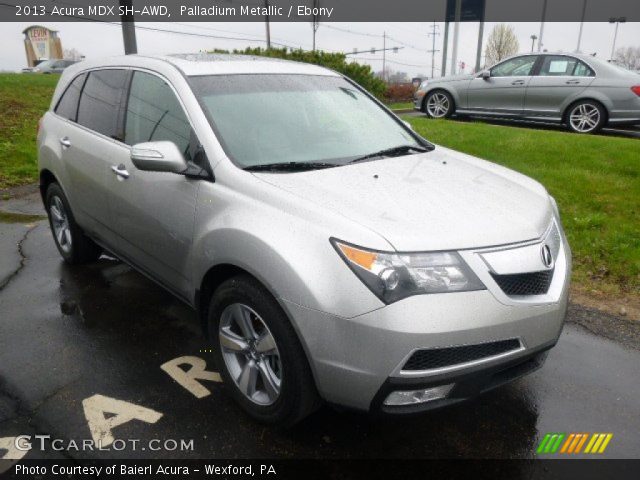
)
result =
(258, 354)
(74, 246)
(585, 117)
(439, 104)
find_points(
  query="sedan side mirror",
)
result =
(486, 74)
(158, 157)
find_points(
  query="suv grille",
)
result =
(533, 283)
(450, 356)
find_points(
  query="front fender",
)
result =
(285, 246)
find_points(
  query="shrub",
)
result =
(399, 92)
(361, 74)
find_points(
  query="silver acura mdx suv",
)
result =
(331, 252)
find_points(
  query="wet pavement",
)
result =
(68, 334)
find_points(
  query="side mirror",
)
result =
(407, 124)
(158, 157)
(486, 74)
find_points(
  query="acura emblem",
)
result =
(547, 258)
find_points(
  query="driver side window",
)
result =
(154, 114)
(516, 67)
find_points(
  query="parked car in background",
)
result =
(50, 66)
(331, 252)
(580, 91)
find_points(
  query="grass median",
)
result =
(23, 100)
(595, 180)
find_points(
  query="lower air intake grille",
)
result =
(446, 357)
(534, 283)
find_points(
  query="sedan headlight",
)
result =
(393, 276)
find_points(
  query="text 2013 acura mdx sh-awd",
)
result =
(331, 252)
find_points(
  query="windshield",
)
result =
(268, 119)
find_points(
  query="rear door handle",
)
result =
(572, 82)
(65, 142)
(517, 82)
(121, 171)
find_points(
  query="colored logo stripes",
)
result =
(574, 443)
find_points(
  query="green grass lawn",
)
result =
(595, 180)
(23, 100)
(400, 106)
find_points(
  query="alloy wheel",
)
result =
(584, 118)
(60, 224)
(438, 105)
(250, 354)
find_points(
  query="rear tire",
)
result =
(585, 116)
(74, 246)
(439, 104)
(281, 390)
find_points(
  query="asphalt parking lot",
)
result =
(76, 342)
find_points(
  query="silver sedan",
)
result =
(580, 91)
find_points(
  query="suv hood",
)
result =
(439, 200)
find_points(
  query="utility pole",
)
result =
(533, 41)
(584, 11)
(617, 21)
(128, 27)
(315, 24)
(433, 50)
(456, 33)
(384, 56)
(266, 24)
(544, 14)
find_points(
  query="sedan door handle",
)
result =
(517, 82)
(572, 82)
(121, 171)
(65, 142)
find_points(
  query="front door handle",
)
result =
(517, 82)
(65, 142)
(572, 82)
(121, 171)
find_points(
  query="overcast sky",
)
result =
(97, 40)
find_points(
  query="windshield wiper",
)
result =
(289, 166)
(391, 152)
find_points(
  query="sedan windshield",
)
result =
(279, 122)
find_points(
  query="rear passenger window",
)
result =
(582, 70)
(154, 113)
(68, 105)
(100, 101)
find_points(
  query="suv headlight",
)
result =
(393, 276)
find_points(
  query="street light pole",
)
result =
(533, 41)
(128, 28)
(584, 10)
(617, 21)
(456, 34)
(266, 23)
(544, 14)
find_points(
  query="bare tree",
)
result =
(502, 43)
(72, 54)
(628, 57)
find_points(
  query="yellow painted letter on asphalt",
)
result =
(189, 378)
(101, 426)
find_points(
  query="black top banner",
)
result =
(319, 10)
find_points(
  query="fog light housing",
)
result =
(413, 397)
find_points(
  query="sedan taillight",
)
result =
(636, 89)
